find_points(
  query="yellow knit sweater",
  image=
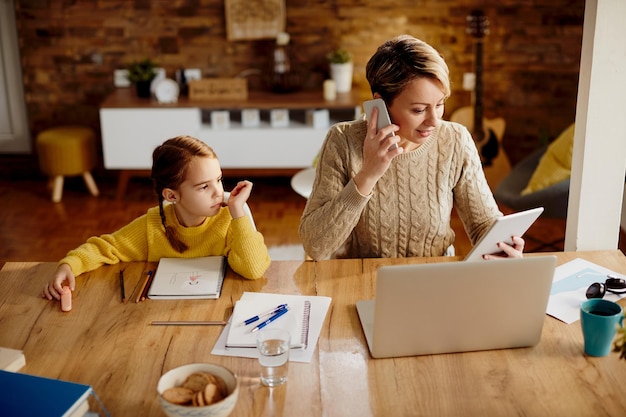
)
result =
(144, 240)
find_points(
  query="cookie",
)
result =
(178, 395)
(212, 394)
(219, 382)
(198, 390)
(197, 381)
(198, 399)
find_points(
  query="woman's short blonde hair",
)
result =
(401, 60)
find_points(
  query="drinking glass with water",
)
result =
(273, 346)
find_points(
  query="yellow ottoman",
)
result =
(67, 151)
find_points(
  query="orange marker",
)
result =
(66, 299)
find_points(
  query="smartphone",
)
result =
(383, 115)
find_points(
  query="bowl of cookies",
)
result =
(198, 389)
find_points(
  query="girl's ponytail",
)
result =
(170, 233)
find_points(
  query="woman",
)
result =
(373, 199)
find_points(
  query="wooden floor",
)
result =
(32, 228)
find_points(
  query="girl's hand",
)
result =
(377, 154)
(62, 275)
(238, 197)
(508, 251)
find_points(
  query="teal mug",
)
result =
(599, 320)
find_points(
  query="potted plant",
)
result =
(140, 74)
(341, 68)
(339, 56)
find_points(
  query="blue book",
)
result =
(26, 395)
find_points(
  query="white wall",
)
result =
(14, 133)
(599, 158)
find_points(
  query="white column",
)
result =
(599, 158)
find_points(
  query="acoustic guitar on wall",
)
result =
(487, 133)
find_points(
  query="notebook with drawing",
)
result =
(188, 278)
(515, 224)
(447, 307)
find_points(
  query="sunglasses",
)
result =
(612, 284)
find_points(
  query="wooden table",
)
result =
(112, 347)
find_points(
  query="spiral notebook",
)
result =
(296, 320)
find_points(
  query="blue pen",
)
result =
(265, 314)
(271, 319)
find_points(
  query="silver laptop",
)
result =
(447, 307)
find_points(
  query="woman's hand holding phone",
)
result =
(383, 119)
(377, 153)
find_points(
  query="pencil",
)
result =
(122, 286)
(188, 323)
(141, 292)
(144, 293)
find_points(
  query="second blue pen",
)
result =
(271, 319)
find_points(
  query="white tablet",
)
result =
(515, 224)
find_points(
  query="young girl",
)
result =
(187, 174)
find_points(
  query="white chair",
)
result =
(302, 182)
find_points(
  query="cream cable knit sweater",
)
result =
(408, 213)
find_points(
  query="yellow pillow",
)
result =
(555, 165)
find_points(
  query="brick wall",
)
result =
(69, 49)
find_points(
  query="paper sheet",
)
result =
(319, 308)
(570, 283)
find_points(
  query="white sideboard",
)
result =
(133, 127)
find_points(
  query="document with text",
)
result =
(570, 284)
